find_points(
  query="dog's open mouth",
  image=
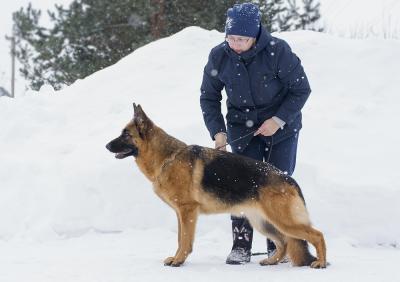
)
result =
(125, 153)
(122, 149)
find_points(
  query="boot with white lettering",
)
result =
(242, 233)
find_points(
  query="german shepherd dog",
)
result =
(197, 180)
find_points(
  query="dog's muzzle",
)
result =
(122, 150)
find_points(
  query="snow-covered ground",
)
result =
(137, 255)
(70, 211)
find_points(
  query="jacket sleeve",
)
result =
(210, 99)
(292, 75)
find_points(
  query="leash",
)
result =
(270, 148)
(252, 132)
(259, 254)
(237, 139)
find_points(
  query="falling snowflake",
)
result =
(249, 123)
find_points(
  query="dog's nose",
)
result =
(108, 146)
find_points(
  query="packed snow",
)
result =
(70, 211)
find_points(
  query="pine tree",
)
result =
(87, 36)
(174, 15)
(90, 35)
(270, 13)
(290, 19)
(295, 17)
(310, 16)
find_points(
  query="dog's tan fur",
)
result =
(278, 212)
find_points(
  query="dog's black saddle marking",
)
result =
(234, 179)
(196, 151)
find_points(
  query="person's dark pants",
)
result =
(283, 156)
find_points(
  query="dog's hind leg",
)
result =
(187, 218)
(267, 229)
(298, 252)
(287, 212)
(311, 235)
(279, 240)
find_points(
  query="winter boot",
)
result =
(242, 233)
(271, 248)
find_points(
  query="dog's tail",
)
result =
(299, 253)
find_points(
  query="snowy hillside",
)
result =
(58, 182)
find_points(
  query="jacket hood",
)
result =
(262, 41)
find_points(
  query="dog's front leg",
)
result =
(169, 260)
(187, 218)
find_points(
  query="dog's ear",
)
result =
(138, 111)
(142, 122)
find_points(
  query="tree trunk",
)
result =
(158, 18)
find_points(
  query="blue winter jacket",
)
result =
(265, 81)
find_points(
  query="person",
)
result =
(266, 88)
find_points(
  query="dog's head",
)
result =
(133, 137)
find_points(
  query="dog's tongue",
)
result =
(119, 155)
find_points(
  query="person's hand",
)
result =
(268, 128)
(220, 140)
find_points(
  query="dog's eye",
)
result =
(126, 134)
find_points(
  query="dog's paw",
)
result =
(269, 261)
(169, 260)
(318, 264)
(177, 263)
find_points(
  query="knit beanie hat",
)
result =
(243, 19)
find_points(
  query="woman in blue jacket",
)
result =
(266, 89)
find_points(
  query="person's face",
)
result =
(240, 44)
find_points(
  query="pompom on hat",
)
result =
(243, 19)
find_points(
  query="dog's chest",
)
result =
(163, 193)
